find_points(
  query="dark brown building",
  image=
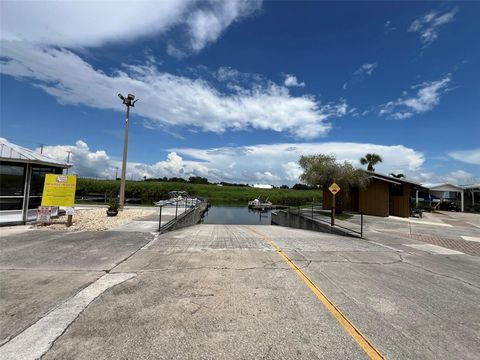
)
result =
(383, 196)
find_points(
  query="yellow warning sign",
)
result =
(59, 190)
(334, 188)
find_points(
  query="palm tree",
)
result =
(398, 176)
(371, 159)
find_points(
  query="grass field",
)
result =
(150, 191)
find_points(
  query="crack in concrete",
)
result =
(442, 275)
(264, 267)
(400, 260)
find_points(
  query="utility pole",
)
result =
(128, 101)
(116, 173)
(41, 148)
(68, 158)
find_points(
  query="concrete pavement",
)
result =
(225, 292)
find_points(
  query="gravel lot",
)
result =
(96, 219)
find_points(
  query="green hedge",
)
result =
(150, 191)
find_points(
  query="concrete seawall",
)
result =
(283, 218)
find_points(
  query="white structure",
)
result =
(471, 190)
(469, 194)
(22, 174)
(262, 186)
(449, 192)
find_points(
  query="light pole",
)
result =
(127, 101)
(68, 158)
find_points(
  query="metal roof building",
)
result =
(450, 192)
(22, 174)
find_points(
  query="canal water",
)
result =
(236, 215)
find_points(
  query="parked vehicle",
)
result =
(448, 206)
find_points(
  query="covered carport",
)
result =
(450, 192)
(472, 196)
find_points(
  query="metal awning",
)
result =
(15, 153)
(384, 179)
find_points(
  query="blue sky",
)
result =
(238, 90)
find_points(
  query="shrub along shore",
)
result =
(146, 192)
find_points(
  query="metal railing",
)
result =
(349, 221)
(102, 198)
(185, 205)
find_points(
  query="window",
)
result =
(12, 185)
(37, 182)
(12, 179)
(11, 203)
(38, 179)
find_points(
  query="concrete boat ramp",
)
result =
(234, 292)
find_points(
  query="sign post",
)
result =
(59, 190)
(334, 189)
(70, 211)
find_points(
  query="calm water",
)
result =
(236, 215)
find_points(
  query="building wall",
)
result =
(375, 199)
(400, 204)
(349, 201)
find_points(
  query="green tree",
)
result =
(198, 180)
(371, 160)
(323, 169)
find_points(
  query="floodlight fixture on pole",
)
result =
(128, 101)
(68, 158)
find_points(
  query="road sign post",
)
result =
(332, 218)
(334, 189)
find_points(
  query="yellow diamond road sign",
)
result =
(334, 188)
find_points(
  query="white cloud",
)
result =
(87, 163)
(75, 24)
(467, 156)
(457, 177)
(166, 98)
(173, 51)
(366, 69)
(97, 164)
(292, 81)
(389, 27)
(425, 99)
(206, 25)
(273, 164)
(280, 160)
(363, 71)
(39, 49)
(429, 25)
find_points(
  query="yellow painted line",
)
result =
(361, 340)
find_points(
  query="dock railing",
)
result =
(348, 221)
(183, 209)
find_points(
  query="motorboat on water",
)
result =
(260, 204)
(179, 198)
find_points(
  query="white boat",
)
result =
(260, 204)
(179, 198)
